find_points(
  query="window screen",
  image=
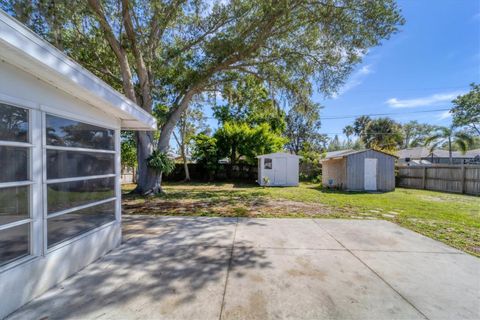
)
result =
(80, 183)
(15, 183)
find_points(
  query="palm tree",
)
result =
(448, 135)
(348, 131)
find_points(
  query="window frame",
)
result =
(46, 182)
(30, 183)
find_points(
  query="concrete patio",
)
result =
(228, 268)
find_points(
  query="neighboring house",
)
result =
(359, 170)
(422, 156)
(60, 197)
(278, 169)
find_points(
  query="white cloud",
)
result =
(444, 115)
(434, 99)
(355, 80)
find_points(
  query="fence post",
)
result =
(424, 178)
(462, 185)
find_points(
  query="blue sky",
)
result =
(434, 58)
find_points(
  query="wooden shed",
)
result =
(359, 170)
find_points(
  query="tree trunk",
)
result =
(185, 166)
(148, 180)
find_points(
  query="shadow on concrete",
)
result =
(160, 259)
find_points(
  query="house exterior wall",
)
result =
(385, 170)
(26, 278)
(334, 169)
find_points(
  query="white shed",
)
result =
(278, 169)
(60, 197)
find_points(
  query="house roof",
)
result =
(24, 49)
(348, 152)
(278, 154)
(413, 153)
(424, 152)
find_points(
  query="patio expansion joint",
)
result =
(373, 271)
(229, 267)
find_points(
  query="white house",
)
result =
(60, 206)
(278, 169)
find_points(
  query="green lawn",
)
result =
(453, 219)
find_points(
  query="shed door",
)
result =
(280, 171)
(370, 180)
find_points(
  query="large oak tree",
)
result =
(168, 51)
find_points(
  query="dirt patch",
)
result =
(228, 206)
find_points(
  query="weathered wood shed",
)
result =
(359, 170)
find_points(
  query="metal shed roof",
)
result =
(21, 47)
(279, 154)
(345, 153)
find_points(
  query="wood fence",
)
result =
(448, 178)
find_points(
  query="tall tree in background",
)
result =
(450, 137)
(416, 133)
(383, 134)
(360, 124)
(191, 121)
(167, 52)
(466, 110)
(250, 122)
(335, 144)
(248, 101)
(303, 125)
(348, 131)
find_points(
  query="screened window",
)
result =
(13, 123)
(80, 183)
(267, 163)
(70, 225)
(70, 133)
(15, 183)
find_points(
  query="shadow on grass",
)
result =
(337, 191)
(165, 265)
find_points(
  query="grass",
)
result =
(451, 218)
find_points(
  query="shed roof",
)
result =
(345, 153)
(278, 154)
(24, 49)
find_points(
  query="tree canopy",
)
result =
(167, 52)
(466, 110)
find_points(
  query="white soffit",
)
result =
(22, 48)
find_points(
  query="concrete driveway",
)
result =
(220, 268)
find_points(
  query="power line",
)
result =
(380, 114)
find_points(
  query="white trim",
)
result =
(18, 102)
(80, 236)
(23, 48)
(36, 172)
(16, 262)
(118, 182)
(110, 175)
(15, 144)
(79, 149)
(77, 208)
(15, 184)
(15, 224)
(77, 117)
